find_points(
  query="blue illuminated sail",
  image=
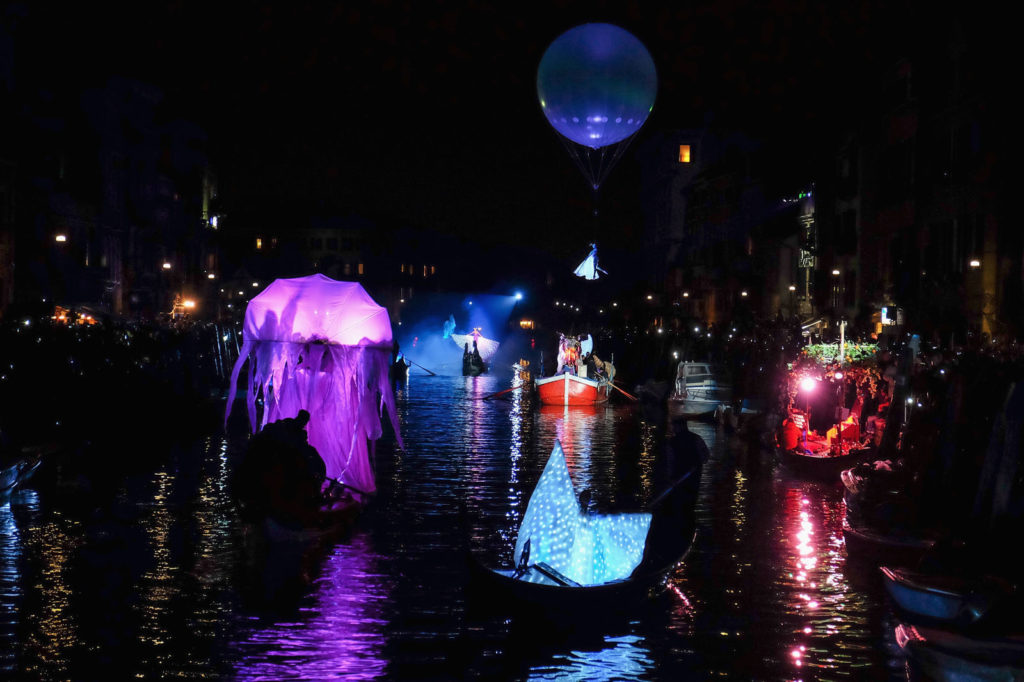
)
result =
(587, 549)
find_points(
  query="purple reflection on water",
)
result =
(343, 636)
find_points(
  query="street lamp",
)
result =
(975, 263)
(61, 238)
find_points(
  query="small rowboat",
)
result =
(823, 465)
(892, 547)
(963, 601)
(569, 389)
(944, 656)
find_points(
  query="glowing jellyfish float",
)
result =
(596, 84)
(324, 346)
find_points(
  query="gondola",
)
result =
(949, 599)
(542, 587)
(537, 586)
(943, 655)
(892, 547)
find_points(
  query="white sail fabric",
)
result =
(589, 268)
(586, 346)
(587, 549)
(487, 347)
(324, 346)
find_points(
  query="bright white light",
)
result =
(519, 296)
(660, 330)
(910, 401)
(255, 284)
(792, 287)
(696, 329)
(167, 266)
(807, 384)
(61, 238)
(686, 294)
(471, 303)
(213, 222)
(675, 355)
(190, 304)
(743, 293)
(615, 305)
(649, 297)
(835, 272)
(241, 293)
(211, 276)
(401, 300)
(838, 375)
(27, 322)
(975, 263)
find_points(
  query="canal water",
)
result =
(164, 581)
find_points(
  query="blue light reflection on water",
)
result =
(166, 579)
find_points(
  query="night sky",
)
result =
(424, 114)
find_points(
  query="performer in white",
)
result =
(589, 268)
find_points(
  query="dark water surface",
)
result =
(166, 582)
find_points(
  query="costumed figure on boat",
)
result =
(579, 379)
(486, 347)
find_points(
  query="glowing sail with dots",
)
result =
(588, 549)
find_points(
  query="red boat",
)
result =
(569, 389)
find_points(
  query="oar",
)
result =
(633, 397)
(495, 395)
(421, 367)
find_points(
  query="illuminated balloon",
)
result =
(596, 84)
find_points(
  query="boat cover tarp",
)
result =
(589, 549)
(324, 346)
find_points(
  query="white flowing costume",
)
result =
(589, 268)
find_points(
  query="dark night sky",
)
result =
(424, 113)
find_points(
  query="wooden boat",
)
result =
(701, 390)
(892, 547)
(541, 587)
(569, 389)
(822, 464)
(963, 601)
(944, 656)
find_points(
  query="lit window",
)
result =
(360, 268)
(259, 243)
(424, 270)
(684, 153)
(433, 270)
(403, 267)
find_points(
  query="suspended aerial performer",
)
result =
(589, 269)
(449, 327)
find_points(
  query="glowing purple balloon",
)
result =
(596, 84)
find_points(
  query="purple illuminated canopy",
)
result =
(317, 344)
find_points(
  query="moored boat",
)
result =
(569, 389)
(963, 601)
(892, 546)
(700, 389)
(947, 656)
